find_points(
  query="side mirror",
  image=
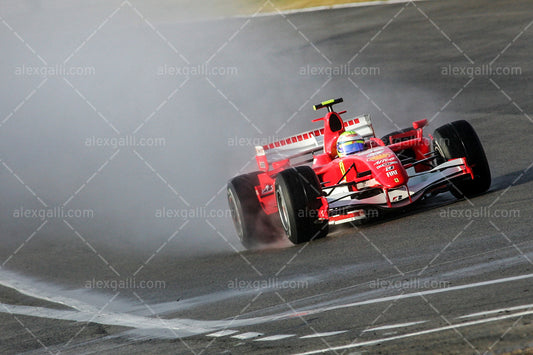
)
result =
(420, 124)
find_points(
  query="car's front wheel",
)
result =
(459, 139)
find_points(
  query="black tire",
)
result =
(297, 192)
(254, 227)
(406, 154)
(459, 139)
(387, 138)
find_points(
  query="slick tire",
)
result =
(254, 227)
(405, 154)
(459, 139)
(388, 140)
(297, 195)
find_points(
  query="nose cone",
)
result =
(386, 167)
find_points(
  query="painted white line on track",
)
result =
(183, 327)
(38, 290)
(327, 7)
(248, 335)
(421, 293)
(494, 311)
(422, 332)
(222, 333)
(393, 326)
(179, 327)
(323, 335)
(276, 337)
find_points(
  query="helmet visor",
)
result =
(350, 147)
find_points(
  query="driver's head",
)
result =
(349, 142)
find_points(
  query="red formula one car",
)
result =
(342, 173)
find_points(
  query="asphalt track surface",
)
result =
(446, 277)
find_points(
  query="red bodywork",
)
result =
(377, 167)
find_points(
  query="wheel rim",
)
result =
(235, 215)
(441, 158)
(283, 214)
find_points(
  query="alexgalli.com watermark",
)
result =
(270, 283)
(480, 212)
(58, 212)
(54, 70)
(196, 70)
(366, 214)
(480, 70)
(251, 142)
(125, 141)
(129, 283)
(190, 213)
(338, 70)
(415, 284)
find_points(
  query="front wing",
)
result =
(343, 207)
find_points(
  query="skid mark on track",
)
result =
(84, 312)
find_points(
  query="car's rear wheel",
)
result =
(459, 139)
(387, 139)
(297, 194)
(254, 227)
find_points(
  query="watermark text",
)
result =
(269, 283)
(58, 212)
(129, 283)
(54, 70)
(196, 70)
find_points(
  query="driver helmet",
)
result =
(349, 142)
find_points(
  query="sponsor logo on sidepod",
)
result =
(379, 156)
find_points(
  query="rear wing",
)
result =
(362, 125)
(300, 146)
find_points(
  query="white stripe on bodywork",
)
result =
(417, 184)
